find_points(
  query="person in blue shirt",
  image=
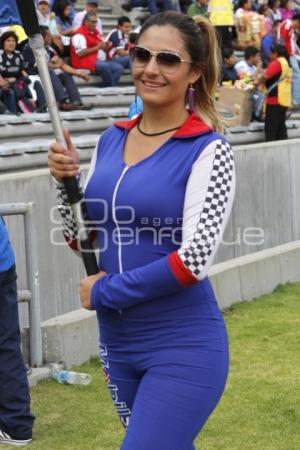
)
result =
(229, 72)
(119, 43)
(159, 194)
(268, 41)
(16, 421)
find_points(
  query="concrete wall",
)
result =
(73, 337)
(266, 214)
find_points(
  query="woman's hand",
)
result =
(86, 286)
(63, 162)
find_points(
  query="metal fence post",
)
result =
(33, 296)
(36, 354)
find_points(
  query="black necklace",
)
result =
(156, 134)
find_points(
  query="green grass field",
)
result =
(260, 409)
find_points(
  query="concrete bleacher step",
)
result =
(125, 80)
(121, 96)
(85, 128)
(33, 154)
(35, 126)
(254, 133)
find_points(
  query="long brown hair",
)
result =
(201, 43)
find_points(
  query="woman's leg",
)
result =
(122, 382)
(174, 400)
(272, 122)
(282, 131)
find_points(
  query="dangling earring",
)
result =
(191, 98)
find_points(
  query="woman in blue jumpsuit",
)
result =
(159, 193)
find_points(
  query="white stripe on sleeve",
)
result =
(208, 203)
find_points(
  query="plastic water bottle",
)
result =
(69, 376)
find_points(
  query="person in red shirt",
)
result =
(88, 52)
(277, 69)
(287, 36)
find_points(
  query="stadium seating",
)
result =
(25, 139)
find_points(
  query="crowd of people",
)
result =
(77, 46)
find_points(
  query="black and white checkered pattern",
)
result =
(196, 255)
(69, 227)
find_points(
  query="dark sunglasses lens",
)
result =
(168, 59)
(140, 55)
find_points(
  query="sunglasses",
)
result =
(167, 61)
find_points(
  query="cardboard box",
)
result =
(239, 102)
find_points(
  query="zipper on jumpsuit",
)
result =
(116, 222)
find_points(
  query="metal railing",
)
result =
(32, 295)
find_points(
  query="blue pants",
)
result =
(109, 71)
(10, 100)
(125, 61)
(64, 87)
(15, 416)
(164, 379)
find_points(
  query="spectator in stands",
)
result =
(85, 45)
(279, 98)
(249, 25)
(251, 65)
(47, 18)
(12, 69)
(118, 43)
(268, 41)
(184, 4)
(55, 7)
(153, 5)
(263, 10)
(16, 421)
(286, 9)
(64, 24)
(274, 11)
(229, 72)
(221, 16)
(198, 8)
(65, 89)
(287, 35)
(91, 6)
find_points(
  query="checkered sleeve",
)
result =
(208, 203)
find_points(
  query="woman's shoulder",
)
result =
(108, 137)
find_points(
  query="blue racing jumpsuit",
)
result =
(163, 343)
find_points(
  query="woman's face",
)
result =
(67, 11)
(160, 85)
(9, 45)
